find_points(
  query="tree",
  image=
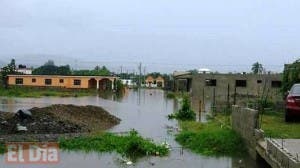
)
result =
(193, 71)
(7, 70)
(97, 68)
(49, 63)
(185, 112)
(291, 75)
(257, 68)
(49, 68)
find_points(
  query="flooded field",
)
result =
(143, 110)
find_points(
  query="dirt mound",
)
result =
(58, 119)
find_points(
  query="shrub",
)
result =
(132, 145)
(212, 140)
(185, 112)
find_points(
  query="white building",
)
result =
(26, 71)
(128, 82)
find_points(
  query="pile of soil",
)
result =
(59, 119)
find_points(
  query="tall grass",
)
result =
(132, 145)
(210, 139)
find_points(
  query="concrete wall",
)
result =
(280, 155)
(244, 122)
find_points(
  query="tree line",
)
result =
(49, 68)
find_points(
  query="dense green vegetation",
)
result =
(7, 70)
(210, 139)
(41, 92)
(131, 146)
(97, 71)
(291, 75)
(49, 68)
(185, 112)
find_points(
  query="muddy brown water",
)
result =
(144, 110)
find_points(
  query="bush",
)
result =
(132, 145)
(212, 140)
(185, 112)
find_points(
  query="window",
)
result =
(33, 80)
(19, 81)
(210, 82)
(77, 82)
(48, 81)
(259, 81)
(276, 84)
(61, 80)
(295, 89)
(241, 83)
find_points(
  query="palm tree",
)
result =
(257, 68)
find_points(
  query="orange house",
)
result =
(160, 82)
(150, 81)
(80, 82)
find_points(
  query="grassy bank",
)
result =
(42, 92)
(210, 139)
(131, 146)
(174, 95)
(274, 125)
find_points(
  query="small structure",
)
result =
(128, 82)
(204, 70)
(24, 70)
(152, 82)
(72, 82)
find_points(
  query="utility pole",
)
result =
(144, 73)
(140, 74)
(121, 73)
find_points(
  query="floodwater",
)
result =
(143, 110)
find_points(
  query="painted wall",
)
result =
(68, 81)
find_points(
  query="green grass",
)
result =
(44, 92)
(210, 139)
(274, 126)
(131, 146)
(176, 95)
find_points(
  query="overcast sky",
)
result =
(164, 35)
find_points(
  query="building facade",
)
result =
(216, 89)
(152, 82)
(72, 82)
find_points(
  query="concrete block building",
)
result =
(224, 87)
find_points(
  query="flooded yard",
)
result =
(144, 111)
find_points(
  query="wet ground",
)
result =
(143, 110)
